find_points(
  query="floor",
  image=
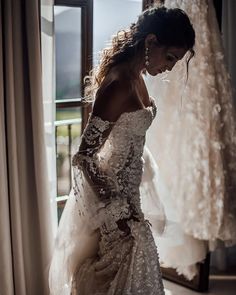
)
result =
(219, 285)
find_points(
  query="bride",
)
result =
(104, 245)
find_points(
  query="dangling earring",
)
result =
(146, 57)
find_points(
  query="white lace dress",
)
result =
(193, 142)
(206, 162)
(92, 255)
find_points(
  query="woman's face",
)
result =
(162, 59)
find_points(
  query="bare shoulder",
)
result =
(112, 97)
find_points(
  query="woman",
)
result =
(104, 245)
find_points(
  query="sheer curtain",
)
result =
(25, 215)
(48, 71)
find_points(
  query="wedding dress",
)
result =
(193, 142)
(207, 179)
(93, 254)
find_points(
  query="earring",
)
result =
(146, 57)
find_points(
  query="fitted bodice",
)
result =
(127, 138)
(122, 153)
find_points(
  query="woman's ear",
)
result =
(151, 39)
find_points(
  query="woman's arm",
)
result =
(93, 138)
(108, 106)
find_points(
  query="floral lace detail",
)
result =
(127, 261)
(202, 173)
(87, 159)
(127, 265)
(93, 136)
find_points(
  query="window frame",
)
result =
(86, 51)
(86, 65)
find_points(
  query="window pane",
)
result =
(68, 132)
(68, 113)
(109, 17)
(68, 51)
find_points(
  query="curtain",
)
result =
(223, 258)
(25, 212)
(229, 38)
(48, 79)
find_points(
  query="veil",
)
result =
(77, 237)
(176, 249)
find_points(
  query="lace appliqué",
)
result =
(206, 132)
(94, 136)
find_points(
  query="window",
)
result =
(73, 47)
(81, 31)
(119, 14)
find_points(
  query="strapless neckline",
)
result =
(148, 109)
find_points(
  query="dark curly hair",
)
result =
(171, 26)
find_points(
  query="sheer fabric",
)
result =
(47, 40)
(176, 248)
(199, 139)
(104, 243)
(193, 142)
